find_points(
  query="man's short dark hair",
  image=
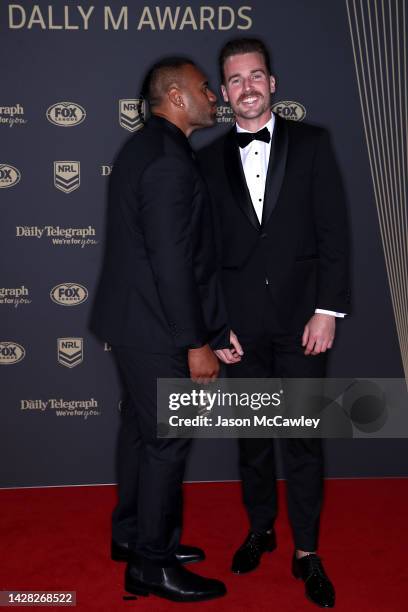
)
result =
(161, 76)
(238, 46)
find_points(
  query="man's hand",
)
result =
(318, 335)
(231, 355)
(203, 364)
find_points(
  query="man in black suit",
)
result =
(160, 306)
(284, 242)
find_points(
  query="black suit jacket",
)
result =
(159, 290)
(301, 248)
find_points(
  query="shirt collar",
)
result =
(269, 125)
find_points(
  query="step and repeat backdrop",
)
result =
(71, 73)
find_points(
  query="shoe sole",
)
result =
(142, 591)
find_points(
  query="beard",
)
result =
(205, 118)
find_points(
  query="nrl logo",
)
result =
(70, 351)
(132, 114)
(67, 175)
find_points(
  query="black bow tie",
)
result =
(245, 138)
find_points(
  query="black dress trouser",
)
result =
(150, 470)
(268, 353)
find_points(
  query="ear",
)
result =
(224, 93)
(272, 84)
(175, 96)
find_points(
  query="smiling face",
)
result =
(248, 87)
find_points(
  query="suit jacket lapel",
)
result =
(236, 178)
(276, 167)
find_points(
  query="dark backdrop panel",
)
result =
(58, 424)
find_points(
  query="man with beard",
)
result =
(284, 241)
(160, 306)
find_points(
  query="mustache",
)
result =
(248, 94)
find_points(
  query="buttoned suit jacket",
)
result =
(301, 248)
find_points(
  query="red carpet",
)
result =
(58, 539)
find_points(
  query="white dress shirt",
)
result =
(255, 160)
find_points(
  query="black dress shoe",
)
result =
(318, 587)
(248, 556)
(174, 582)
(184, 554)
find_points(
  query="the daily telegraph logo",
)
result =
(12, 115)
(63, 407)
(66, 114)
(14, 296)
(60, 236)
(11, 353)
(70, 351)
(225, 114)
(288, 109)
(132, 114)
(9, 176)
(67, 175)
(69, 294)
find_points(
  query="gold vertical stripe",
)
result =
(378, 37)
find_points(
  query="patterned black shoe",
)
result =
(248, 556)
(318, 587)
